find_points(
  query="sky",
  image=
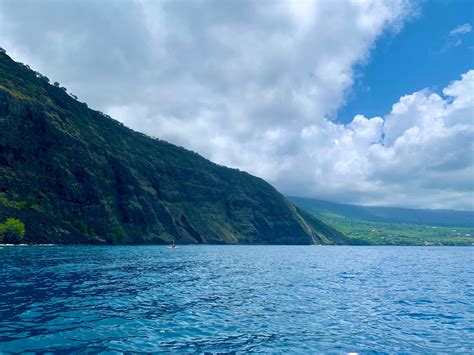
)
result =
(435, 58)
(364, 102)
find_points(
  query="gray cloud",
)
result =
(251, 84)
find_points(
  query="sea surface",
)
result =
(237, 298)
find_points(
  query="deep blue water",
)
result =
(237, 298)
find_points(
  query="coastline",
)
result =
(28, 245)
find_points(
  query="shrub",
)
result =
(30, 202)
(12, 231)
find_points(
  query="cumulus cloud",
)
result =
(425, 156)
(252, 85)
(421, 154)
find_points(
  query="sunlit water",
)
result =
(237, 298)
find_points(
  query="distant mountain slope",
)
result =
(445, 218)
(76, 176)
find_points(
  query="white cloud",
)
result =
(421, 154)
(251, 84)
(460, 30)
(455, 36)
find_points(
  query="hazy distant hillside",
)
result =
(394, 226)
(446, 218)
(73, 175)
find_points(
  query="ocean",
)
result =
(209, 298)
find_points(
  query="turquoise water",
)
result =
(237, 298)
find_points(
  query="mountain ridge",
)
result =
(76, 176)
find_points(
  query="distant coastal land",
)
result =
(393, 226)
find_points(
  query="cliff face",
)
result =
(74, 175)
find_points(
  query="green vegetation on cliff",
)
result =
(76, 176)
(12, 231)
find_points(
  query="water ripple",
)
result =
(237, 298)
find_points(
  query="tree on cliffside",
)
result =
(12, 231)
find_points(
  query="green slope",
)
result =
(75, 176)
(393, 226)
